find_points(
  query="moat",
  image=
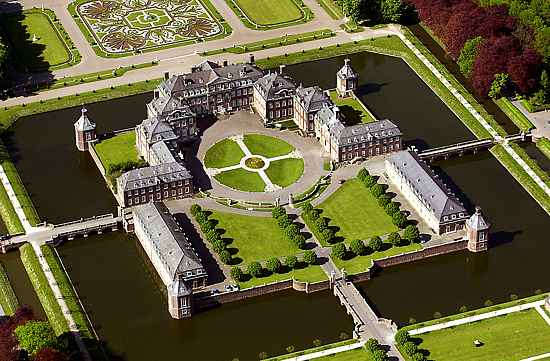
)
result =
(74, 188)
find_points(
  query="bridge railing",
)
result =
(82, 220)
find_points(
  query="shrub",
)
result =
(362, 174)
(410, 348)
(291, 261)
(292, 230)
(411, 233)
(213, 236)
(399, 219)
(262, 355)
(207, 225)
(317, 342)
(391, 208)
(307, 208)
(255, 269)
(375, 244)
(225, 257)
(36, 335)
(310, 257)
(419, 356)
(401, 337)
(195, 209)
(328, 235)
(284, 221)
(299, 241)
(237, 273)
(201, 217)
(218, 246)
(357, 247)
(377, 190)
(384, 200)
(273, 265)
(339, 251)
(278, 212)
(379, 355)
(372, 345)
(394, 238)
(369, 181)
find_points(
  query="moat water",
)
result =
(128, 309)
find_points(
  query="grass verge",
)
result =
(309, 274)
(353, 109)
(312, 350)
(331, 8)
(67, 290)
(8, 214)
(43, 290)
(543, 144)
(8, 299)
(521, 176)
(515, 115)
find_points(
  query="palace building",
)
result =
(307, 102)
(172, 256)
(427, 194)
(273, 97)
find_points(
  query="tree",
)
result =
(237, 273)
(468, 55)
(290, 349)
(328, 235)
(317, 342)
(419, 356)
(375, 244)
(463, 309)
(195, 209)
(410, 348)
(310, 257)
(292, 230)
(218, 246)
(379, 355)
(384, 200)
(213, 236)
(369, 181)
(278, 212)
(291, 261)
(49, 354)
(357, 247)
(377, 190)
(36, 335)
(255, 269)
(391, 208)
(499, 86)
(399, 219)
(402, 336)
(392, 11)
(411, 233)
(362, 174)
(339, 251)
(307, 208)
(394, 239)
(299, 241)
(225, 257)
(273, 264)
(524, 70)
(372, 345)
(284, 221)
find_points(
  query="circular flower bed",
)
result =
(254, 163)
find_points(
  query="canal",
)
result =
(120, 291)
(20, 282)
(515, 264)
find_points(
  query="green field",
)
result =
(544, 146)
(309, 274)
(8, 299)
(256, 238)
(356, 212)
(353, 111)
(47, 50)
(269, 12)
(506, 338)
(242, 180)
(118, 149)
(267, 146)
(223, 154)
(284, 172)
(515, 115)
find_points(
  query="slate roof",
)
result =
(167, 104)
(152, 176)
(84, 123)
(156, 130)
(355, 134)
(477, 222)
(207, 73)
(169, 242)
(428, 187)
(347, 72)
(274, 85)
(163, 153)
(312, 98)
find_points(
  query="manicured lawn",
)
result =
(256, 238)
(353, 355)
(223, 154)
(354, 112)
(269, 12)
(308, 274)
(267, 146)
(332, 9)
(356, 212)
(8, 299)
(360, 264)
(507, 338)
(118, 149)
(284, 172)
(242, 180)
(515, 115)
(544, 146)
(47, 50)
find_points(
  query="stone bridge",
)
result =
(472, 146)
(49, 233)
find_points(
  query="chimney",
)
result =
(251, 59)
(281, 68)
(166, 75)
(346, 61)
(225, 62)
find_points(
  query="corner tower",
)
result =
(346, 80)
(477, 232)
(85, 132)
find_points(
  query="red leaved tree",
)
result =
(524, 70)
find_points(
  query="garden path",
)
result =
(538, 357)
(15, 202)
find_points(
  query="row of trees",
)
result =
(208, 228)
(318, 223)
(408, 346)
(24, 337)
(273, 265)
(378, 353)
(388, 11)
(487, 42)
(290, 230)
(3, 59)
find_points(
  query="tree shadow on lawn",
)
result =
(351, 116)
(213, 270)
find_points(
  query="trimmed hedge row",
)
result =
(8, 299)
(208, 228)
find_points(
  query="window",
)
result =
(136, 200)
(186, 189)
(143, 199)
(180, 192)
(165, 193)
(130, 201)
(173, 192)
(158, 196)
